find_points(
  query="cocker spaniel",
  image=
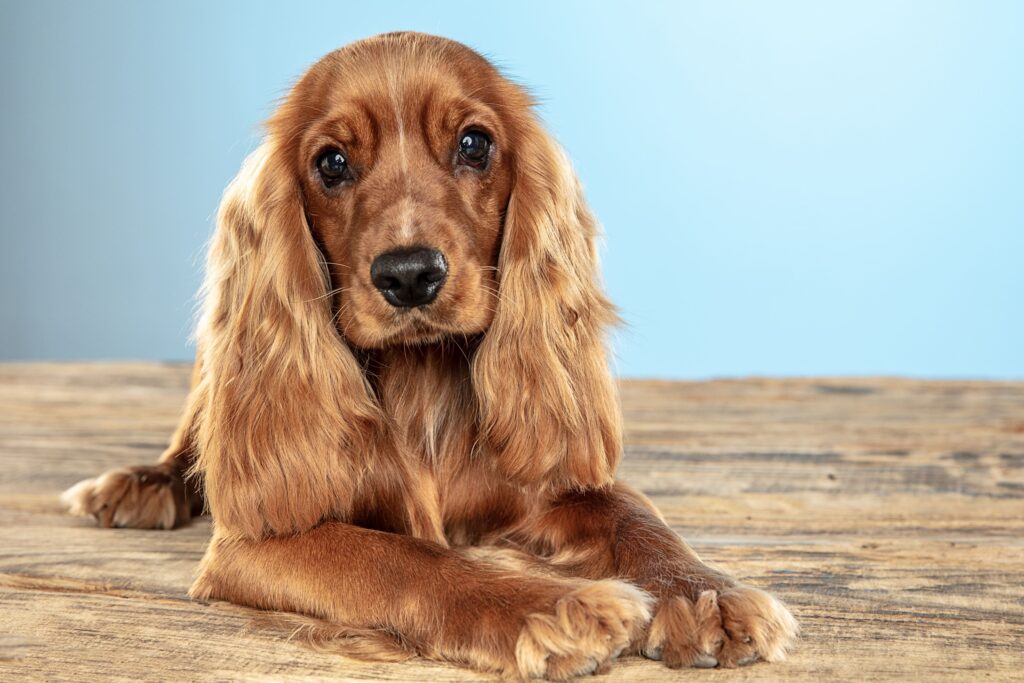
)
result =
(402, 419)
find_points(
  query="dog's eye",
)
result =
(333, 168)
(474, 148)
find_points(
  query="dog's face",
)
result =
(405, 170)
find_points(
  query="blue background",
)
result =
(786, 187)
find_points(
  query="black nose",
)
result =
(409, 277)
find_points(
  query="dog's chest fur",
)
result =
(427, 392)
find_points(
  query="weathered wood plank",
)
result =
(888, 513)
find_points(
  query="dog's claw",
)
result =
(705, 661)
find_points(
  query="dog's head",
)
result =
(407, 194)
(405, 150)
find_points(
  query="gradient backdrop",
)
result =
(786, 187)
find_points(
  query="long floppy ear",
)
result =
(286, 419)
(548, 403)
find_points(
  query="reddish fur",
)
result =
(345, 449)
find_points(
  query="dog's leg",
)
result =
(703, 617)
(443, 604)
(158, 496)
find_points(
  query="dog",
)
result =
(402, 418)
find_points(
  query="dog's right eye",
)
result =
(333, 168)
(474, 148)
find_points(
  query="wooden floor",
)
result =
(889, 514)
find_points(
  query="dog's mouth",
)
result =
(416, 321)
(416, 326)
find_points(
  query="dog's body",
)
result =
(402, 418)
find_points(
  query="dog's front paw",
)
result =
(585, 631)
(143, 497)
(733, 628)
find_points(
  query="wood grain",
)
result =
(888, 513)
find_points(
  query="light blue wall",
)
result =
(786, 187)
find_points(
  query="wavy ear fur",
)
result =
(549, 408)
(288, 428)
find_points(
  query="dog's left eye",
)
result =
(333, 168)
(474, 148)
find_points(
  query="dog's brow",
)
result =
(355, 123)
(367, 113)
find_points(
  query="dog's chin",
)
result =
(414, 334)
(410, 328)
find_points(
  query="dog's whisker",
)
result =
(325, 295)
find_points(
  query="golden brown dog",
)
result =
(402, 419)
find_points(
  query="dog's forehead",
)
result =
(393, 85)
(400, 67)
